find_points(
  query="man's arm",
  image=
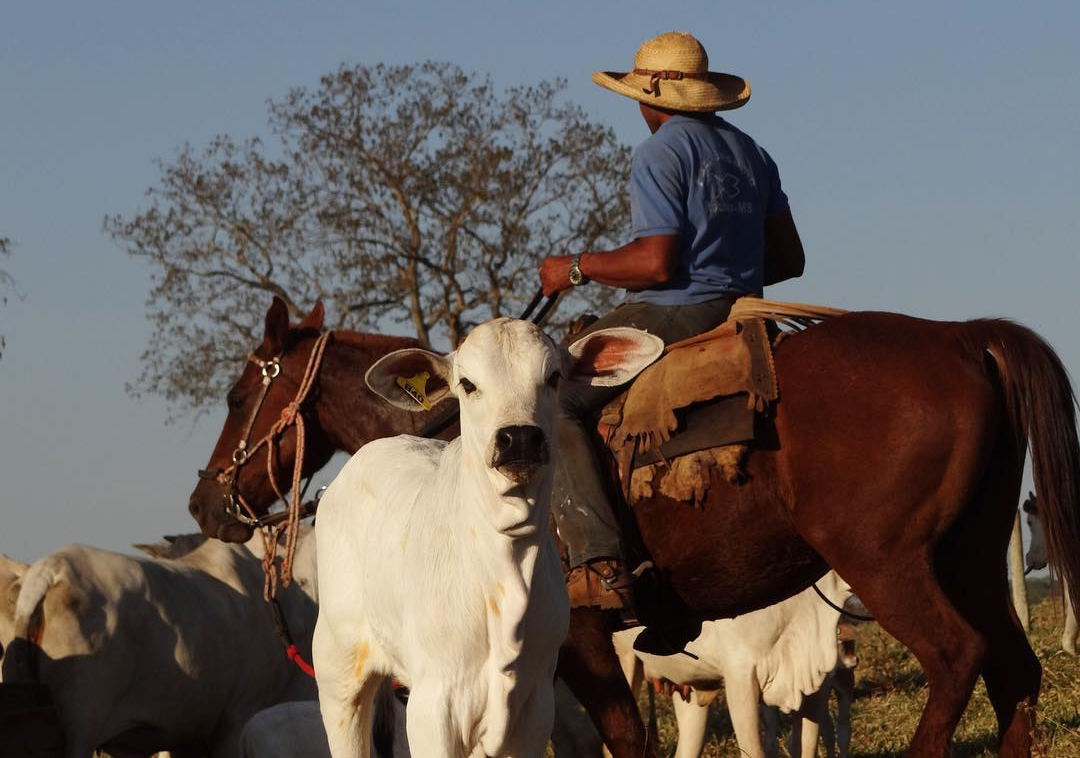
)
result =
(641, 264)
(784, 257)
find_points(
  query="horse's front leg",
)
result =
(589, 666)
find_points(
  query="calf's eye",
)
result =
(468, 386)
(554, 379)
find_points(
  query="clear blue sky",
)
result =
(929, 151)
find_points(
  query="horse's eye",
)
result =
(554, 379)
(235, 403)
(468, 386)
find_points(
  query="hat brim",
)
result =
(718, 92)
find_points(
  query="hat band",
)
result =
(656, 76)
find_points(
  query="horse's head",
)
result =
(252, 463)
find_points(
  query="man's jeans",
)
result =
(582, 508)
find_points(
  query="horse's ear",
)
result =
(314, 320)
(277, 327)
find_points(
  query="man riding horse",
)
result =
(895, 455)
(710, 223)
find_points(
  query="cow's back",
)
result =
(179, 647)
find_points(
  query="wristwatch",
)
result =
(574, 273)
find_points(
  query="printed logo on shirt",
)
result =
(722, 188)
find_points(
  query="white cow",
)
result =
(778, 655)
(814, 713)
(435, 559)
(144, 654)
(11, 572)
(1036, 560)
(295, 730)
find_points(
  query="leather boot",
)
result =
(669, 624)
(602, 583)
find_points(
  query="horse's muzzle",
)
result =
(207, 506)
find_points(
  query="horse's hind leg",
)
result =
(973, 560)
(1010, 670)
(1012, 675)
(910, 604)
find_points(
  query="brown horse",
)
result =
(894, 455)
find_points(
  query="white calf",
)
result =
(144, 654)
(11, 573)
(778, 655)
(814, 715)
(295, 730)
(435, 560)
(1036, 560)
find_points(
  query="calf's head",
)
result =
(505, 376)
(1036, 558)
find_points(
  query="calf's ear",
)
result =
(610, 357)
(411, 379)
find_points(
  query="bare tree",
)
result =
(413, 198)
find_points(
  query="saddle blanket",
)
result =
(706, 388)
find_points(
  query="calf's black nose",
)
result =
(520, 444)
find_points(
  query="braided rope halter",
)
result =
(271, 526)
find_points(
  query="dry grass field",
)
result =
(890, 692)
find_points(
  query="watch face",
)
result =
(574, 274)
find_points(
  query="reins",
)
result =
(836, 607)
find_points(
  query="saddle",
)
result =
(693, 411)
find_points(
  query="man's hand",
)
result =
(639, 265)
(555, 274)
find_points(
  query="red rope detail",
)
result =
(292, 652)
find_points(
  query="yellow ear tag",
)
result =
(416, 388)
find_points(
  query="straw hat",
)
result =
(672, 71)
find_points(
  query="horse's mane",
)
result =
(368, 341)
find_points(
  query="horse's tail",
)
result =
(1042, 410)
(20, 658)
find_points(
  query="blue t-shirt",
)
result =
(712, 185)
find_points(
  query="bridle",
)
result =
(291, 415)
(235, 505)
(289, 520)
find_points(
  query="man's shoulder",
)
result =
(662, 143)
(684, 130)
